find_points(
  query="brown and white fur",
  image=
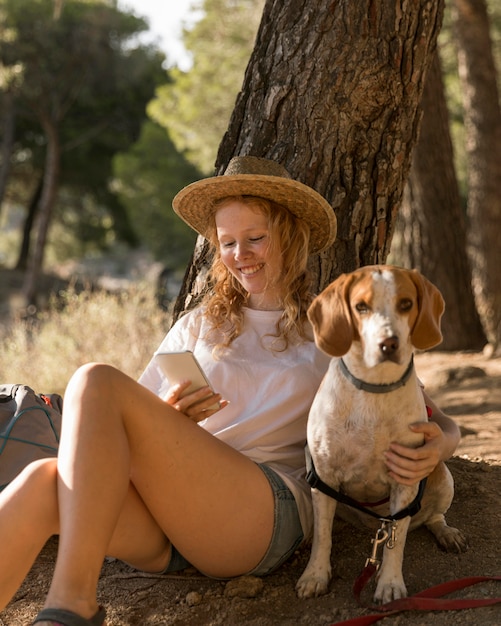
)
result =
(373, 318)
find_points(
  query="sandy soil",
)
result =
(468, 387)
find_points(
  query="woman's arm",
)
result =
(450, 430)
(441, 437)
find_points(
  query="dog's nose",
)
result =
(389, 345)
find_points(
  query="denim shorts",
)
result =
(287, 531)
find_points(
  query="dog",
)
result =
(369, 322)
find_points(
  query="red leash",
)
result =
(427, 600)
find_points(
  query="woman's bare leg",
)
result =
(212, 502)
(28, 517)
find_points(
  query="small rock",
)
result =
(193, 598)
(244, 587)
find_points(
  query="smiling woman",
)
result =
(299, 222)
(244, 241)
(232, 465)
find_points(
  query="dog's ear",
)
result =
(426, 332)
(330, 317)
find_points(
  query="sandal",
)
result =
(61, 617)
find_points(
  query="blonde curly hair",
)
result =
(225, 297)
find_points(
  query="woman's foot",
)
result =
(62, 617)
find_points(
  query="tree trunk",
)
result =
(24, 251)
(8, 132)
(332, 93)
(483, 137)
(47, 199)
(431, 226)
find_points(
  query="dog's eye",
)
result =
(405, 305)
(362, 307)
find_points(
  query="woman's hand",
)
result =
(441, 437)
(197, 405)
(410, 465)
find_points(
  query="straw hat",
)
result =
(255, 176)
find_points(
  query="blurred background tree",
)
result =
(74, 90)
(196, 105)
(133, 131)
(482, 122)
(147, 177)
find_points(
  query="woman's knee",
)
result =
(90, 376)
(43, 471)
(92, 382)
(37, 485)
(41, 475)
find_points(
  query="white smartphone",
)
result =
(179, 366)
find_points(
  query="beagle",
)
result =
(369, 322)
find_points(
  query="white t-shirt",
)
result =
(269, 393)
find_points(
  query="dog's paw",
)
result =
(386, 591)
(312, 584)
(452, 540)
(449, 538)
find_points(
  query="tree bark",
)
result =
(431, 226)
(8, 132)
(47, 199)
(332, 92)
(483, 144)
(24, 251)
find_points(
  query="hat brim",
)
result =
(195, 203)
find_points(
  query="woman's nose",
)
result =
(241, 251)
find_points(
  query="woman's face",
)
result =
(244, 242)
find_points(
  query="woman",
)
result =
(140, 472)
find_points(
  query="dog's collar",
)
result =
(315, 482)
(372, 388)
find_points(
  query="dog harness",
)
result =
(315, 482)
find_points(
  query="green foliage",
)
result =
(148, 176)
(197, 105)
(85, 75)
(87, 70)
(122, 329)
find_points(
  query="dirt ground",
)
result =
(468, 387)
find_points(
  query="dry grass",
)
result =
(122, 330)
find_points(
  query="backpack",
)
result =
(30, 427)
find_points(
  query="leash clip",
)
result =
(390, 544)
(379, 540)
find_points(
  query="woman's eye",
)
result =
(255, 239)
